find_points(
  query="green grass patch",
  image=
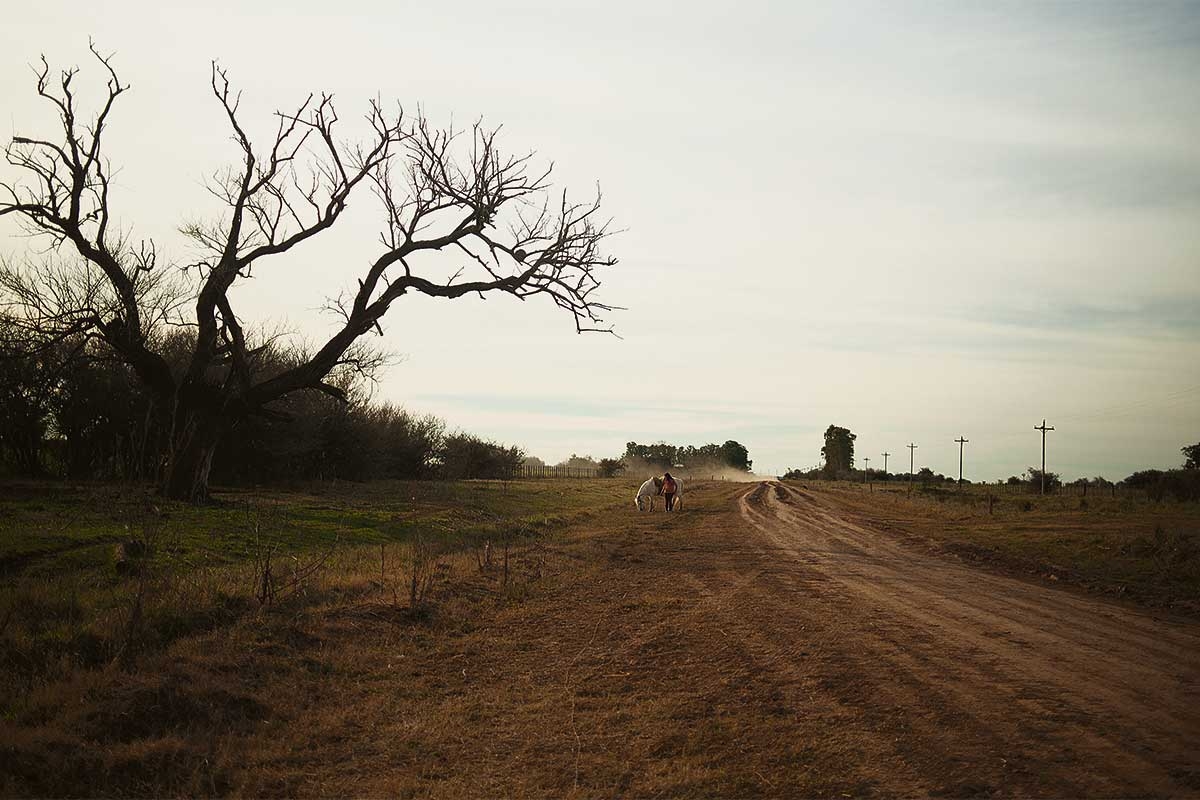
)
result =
(101, 574)
(50, 527)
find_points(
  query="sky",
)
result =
(918, 221)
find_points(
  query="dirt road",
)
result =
(761, 642)
(976, 682)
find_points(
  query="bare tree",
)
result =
(442, 191)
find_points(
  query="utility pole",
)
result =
(885, 455)
(867, 471)
(961, 441)
(911, 453)
(1043, 429)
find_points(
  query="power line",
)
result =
(911, 452)
(1043, 429)
(1115, 411)
(1133, 407)
(961, 441)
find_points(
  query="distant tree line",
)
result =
(660, 457)
(72, 411)
(924, 475)
(1182, 484)
(716, 457)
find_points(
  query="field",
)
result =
(541, 638)
(77, 560)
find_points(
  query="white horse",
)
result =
(644, 499)
(652, 488)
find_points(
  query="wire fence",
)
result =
(1001, 488)
(548, 472)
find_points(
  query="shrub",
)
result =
(1181, 485)
(611, 467)
(1033, 478)
(1168, 549)
(466, 456)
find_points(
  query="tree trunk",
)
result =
(197, 435)
(27, 453)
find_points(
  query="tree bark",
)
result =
(199, 431)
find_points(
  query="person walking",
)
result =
(668, 490)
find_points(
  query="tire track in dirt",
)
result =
(991, 600)
(989, 669)
(985, 598)
(817, 514)
(887, 684)
(762, 608)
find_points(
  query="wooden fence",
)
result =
(531, 471)
(1065, 490)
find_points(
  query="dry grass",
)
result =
(268, 678)
(121, 667)
(98, 574)
(582, 667)
(613, 653)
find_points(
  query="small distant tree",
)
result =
(795, 474)
(735, 454)
(1191, 456)
(611, 467)
(466, 456)
(660, 454)
(838, 452)
(1033, 478)
(578, 462)
(925, 476)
